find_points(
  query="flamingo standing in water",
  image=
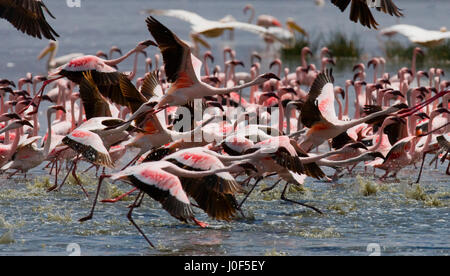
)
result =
(27, 155)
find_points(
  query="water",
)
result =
(402, 219)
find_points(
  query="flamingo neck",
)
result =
(119, 60)
(49, 134)
(346, 101)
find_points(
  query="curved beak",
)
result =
(291, 24)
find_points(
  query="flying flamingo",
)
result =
(319, 116)
(160, 180)
(28, 17)
(360, 11)
(182, 69)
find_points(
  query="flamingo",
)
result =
(319, 116)
(28, 17)
(160, 180)
(7, 150)
(27, 155)
(360, 11)
(182, 69)
(105, 76)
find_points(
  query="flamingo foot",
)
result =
(200, 223)
(114, 200)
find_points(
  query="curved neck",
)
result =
(133, 73)
(119, 60)
(14, 144)
(339, 107)
(211, 91)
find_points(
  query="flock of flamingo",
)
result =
(100, 114)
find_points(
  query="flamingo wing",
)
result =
(90, 146)
(176, 54)
(28, 17)
(130, 94)
(95, 105)
(319, 107)
(387, 6)
(397, 150)
(160, 185)
(151, 87)
(218, 205)
(358, 11)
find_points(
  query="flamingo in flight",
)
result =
(318, 113)
(183, 70)
(360, 11)
(160, 180)
(28, 17)
(105, 76)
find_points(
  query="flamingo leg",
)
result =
(12, 174)
(421, 167)
(91, 214)
(113, 200)
(448, 168)
(132, 161)
(283, 197)
(248, 194)
(271, 187)
(130, 218)
(65, 178)
(74, 174)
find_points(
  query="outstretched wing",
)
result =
(28, 17)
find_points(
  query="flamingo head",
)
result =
(101, 54)
(419, 51)
(275, 62)
(359, 66)
(339, 90)
(208, 54)
(255, 55)
(373, 62)
(115, 49)
(5, 82)
(144, 44)
(268, 76)
(55, 108)
(306, 50)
